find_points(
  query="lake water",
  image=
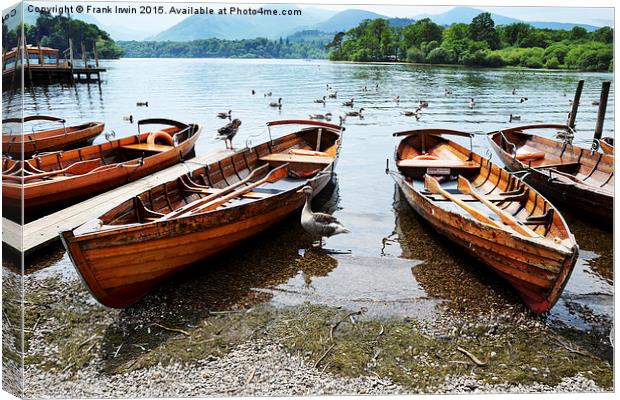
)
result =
(397, 265)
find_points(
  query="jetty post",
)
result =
(602, 109)
(573, 112)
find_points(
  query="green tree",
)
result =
(421, 31)
(482, 28)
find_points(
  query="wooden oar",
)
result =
(211, 196)
(466, 188)
(215, 200)
(78, 168)
(433, 185)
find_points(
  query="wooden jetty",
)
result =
(44, 231)
(45, 65)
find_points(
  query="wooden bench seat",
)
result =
(437, 164)
(154, 148)
(280, 158)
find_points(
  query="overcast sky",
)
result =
(586, 15)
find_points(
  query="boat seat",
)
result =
(153, 148)
(256, 195)
(530, 155)
(280, 158)
(409, 163)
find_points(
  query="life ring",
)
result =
(159, 138)
(425, 157)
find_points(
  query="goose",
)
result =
(268, 94)
(355, 113)
(319, 225)
(423, 103)
(326, 116)
(397, 99)
(228, 132)
(514, 118)
(514, 91)
(277, 104)
(253, 92)
(342, 119)
(109, 135)
(128, 118)
(596, 103)
(320, 101)
(447, 92)
(523, 99)
(224, 114)
(327, 86)
(472, 103)
(348, 103)
(142, 104)
(409, 113)
(333, 95)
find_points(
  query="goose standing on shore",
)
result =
(228, 132)
(277, 104)
(319, 225)
(224, 115)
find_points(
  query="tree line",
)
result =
(55, 32)
(479, 43)
(209, 48)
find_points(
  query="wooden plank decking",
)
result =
(45, 230)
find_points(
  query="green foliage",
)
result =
(55, 31)
(210, 48)
(479, 43)
(482, 28)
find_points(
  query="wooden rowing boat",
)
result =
(130, 249)
(56, 180)
(63, 138)
(572, 177)
(607, 145)
(491, 214)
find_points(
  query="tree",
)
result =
(578, 33)
(482, 28)
(421, 31)
(604, 35)
(512, 34)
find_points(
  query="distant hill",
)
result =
(311, 36)
(345, 20)
(466, 14)
(233, 27)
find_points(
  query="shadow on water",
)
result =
(445, 271)
(231, 281)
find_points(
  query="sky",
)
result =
(587, 15)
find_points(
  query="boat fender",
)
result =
(159, 137)
(425, 157)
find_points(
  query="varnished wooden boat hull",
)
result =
(120, 266)
(607, 145)
(592, 202)
(57, 194)
(537, 269)
(51, 140)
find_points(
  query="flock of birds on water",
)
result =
(228, 131)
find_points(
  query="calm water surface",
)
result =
(397, 265)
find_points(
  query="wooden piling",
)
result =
(40, 54)
(602, 109)
(573, 112)
(95, 52)
(71, 57)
